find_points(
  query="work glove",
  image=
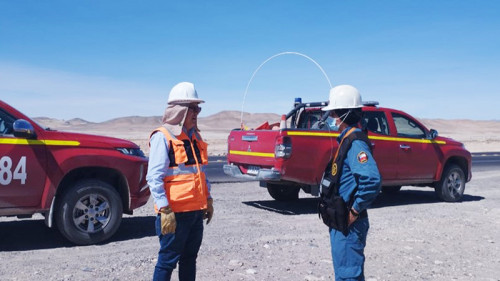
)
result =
(209, 212)
(168, 223)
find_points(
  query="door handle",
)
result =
(405, 147)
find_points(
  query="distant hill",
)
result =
(477, 135)
(76, 122)
(232, 119)
(228, 120)
(461, 125)
(224, 120)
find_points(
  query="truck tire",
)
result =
(391, 189)
(89, 212)
(282, 192)
(452, 184)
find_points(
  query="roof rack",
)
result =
(370, 103)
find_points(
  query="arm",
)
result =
(366, 173)
(157, 167)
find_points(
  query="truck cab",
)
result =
(80, 183)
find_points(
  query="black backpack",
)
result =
(331, 207)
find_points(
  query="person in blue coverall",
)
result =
(359, 170)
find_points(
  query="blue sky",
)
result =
(99, 60)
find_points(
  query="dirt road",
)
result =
(412, 237)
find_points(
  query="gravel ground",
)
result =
(412, 237)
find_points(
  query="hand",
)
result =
(352, 216)
(209, 212)
(168, 223)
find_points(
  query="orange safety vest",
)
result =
(185, 182)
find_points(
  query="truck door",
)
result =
(417, 158)
(378, 132)
(22, 167)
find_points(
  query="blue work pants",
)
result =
(181, 246)
(348, 251)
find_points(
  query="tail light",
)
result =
(283, 147)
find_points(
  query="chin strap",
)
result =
(343, 117)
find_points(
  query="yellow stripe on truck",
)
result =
(406, 140)
(312, 134)
(38, 142)
(325, 134)
(321, 134)
(250, 153)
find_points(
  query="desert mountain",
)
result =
(225, 120)
(222, 121)
(476, 135)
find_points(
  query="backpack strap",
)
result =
(333, 171)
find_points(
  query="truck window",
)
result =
(407, 127)
(376, 122)
(6, 122)
(308, 118)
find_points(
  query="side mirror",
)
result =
(433, 134)
(23, 129)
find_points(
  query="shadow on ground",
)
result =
(25, 235)
(403, 197)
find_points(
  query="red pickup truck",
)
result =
(295, 156)
(81, 183)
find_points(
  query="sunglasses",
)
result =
(195, 108)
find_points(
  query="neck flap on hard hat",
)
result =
(174, 117)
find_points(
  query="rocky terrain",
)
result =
(412, 236)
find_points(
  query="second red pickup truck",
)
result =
(295, 156)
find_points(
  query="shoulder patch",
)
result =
(362, 157)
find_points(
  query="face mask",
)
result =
(333, 124)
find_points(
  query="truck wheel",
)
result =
(452, 184)
(89, 212)
(281, 192)
(391, 189)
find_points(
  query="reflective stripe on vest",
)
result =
(185, 184)
(182, 170)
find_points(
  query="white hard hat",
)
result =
(183, 93)
(343, 97)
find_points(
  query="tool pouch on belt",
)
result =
(333, 210)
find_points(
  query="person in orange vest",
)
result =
(180, 189)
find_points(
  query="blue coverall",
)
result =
(359, 170)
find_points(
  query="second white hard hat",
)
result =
(183, 93)
(343, 97)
